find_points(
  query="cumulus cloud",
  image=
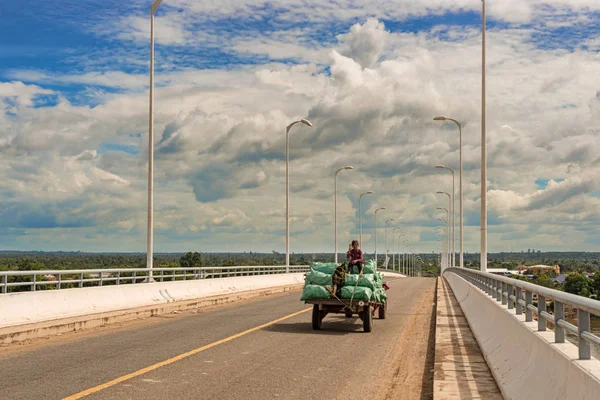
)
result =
(371, 94)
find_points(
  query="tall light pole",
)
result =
(453, 215)
(335, 207)
(483, 149)
(447, 221)
(379, 209)
(394, 249)
(451, 228)
(287, 190)
(460, 183)
(400, 266)
(360, 215)
(386, 243)
(150, 235)
(445, 244)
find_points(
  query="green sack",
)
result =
(326, 268)
(379, 295)
(318, 278)
(314, 292)
(362, 293)
(370, 267)
(365, 280)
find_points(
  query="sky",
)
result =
(232, 74)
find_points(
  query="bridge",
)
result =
(242, 333)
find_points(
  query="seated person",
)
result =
(355, 256)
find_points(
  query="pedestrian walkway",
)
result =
(460, 371)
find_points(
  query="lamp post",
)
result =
(483, 150)
(360, 214)
(460, 183)
(335, 207)
(394, 249)
(386, 243)
(150, 234)
(445, 245)
(453, 215)
(400, 265)
(379, 209)
(451, 228)
(287, 190)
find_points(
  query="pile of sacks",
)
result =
(319, 280)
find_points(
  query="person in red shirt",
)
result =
(355, 257)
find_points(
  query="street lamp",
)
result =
(460, 184)
(394, 249)
(335, 207)
(453, 215)
(452, 230)
(379, 209)
(360, 214)
(483, 262)
(400, 265)
(386, 244)
(447, 221)
(150, 237)
(287, 190)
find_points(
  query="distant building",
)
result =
(538, 269)
(560, 279)
(501, 271)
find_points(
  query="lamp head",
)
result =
(306, 122)
(440, 118)
(440, 166)
(348, 167)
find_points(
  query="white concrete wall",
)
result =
(526, 364)
(34, 307)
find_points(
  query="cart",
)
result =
(364, 310)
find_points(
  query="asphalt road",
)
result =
(285, 360)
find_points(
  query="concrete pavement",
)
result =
(226, 354)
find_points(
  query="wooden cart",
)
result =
(364, 310)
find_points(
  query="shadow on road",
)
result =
(333, 326)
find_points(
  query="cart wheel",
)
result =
(316, 318)
(348, 314)
(382, 310)
(367, 319)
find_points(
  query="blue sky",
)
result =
(229, 75)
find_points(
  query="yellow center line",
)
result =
(176, 358)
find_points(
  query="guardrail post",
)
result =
(528, 301)
(498, 288)
(58, 280)
(118, 281)
(559, 315)
(541, 307)
(133, 280)
(511, 302)
(101, 277)
(33, 281)
(504, 293)
(4, 283)
(81, 280)
(490, 287)
(162, 275)
(519, 296)
(583, 325)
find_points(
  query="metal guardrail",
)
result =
(518, 295)
(63, 279)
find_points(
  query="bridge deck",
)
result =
(461, 371)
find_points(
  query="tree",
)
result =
(578, 284)
(596, 283)
(544, 280)
(191, 260)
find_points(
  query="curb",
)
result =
(20, 333)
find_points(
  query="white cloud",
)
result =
(220, 155)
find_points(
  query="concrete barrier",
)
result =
(526, 364)
(35, 307)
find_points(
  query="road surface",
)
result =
(261, 349)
